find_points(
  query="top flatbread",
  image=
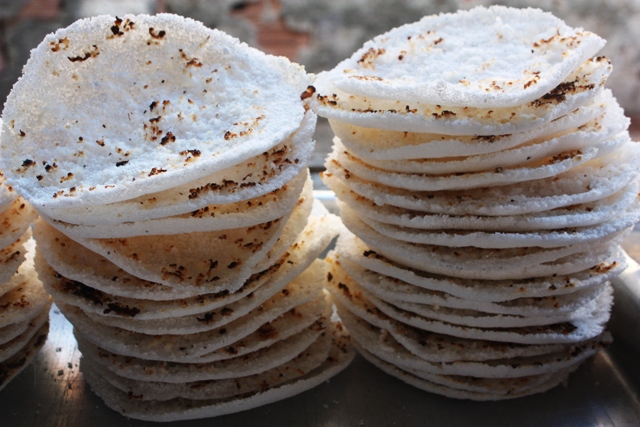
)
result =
(109, 109)
(484, 57)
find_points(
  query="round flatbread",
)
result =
(479, 291)
(210, 218)
(340, 355)
(496, 56)
(382, 145)
(589, 182)
(580, 215)
(184, 101)
(251, 179)
(580, 87)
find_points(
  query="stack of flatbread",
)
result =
(486, 178)
(178, 234)
(24, 304)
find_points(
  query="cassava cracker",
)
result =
(495, 56)
(189, 94)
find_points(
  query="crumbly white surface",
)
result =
(582, 84)
(111, 108)
(484, 57)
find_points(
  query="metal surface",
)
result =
(603, 392)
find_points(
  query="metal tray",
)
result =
(603, 392)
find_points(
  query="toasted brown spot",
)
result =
(308, 93)
(91, 54)
(156, 171)
(369, 56)
(157, 35)
(169, 137)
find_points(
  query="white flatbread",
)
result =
(473, 289)
(407, 296)
(532, 170)
(14, 221)
(592, 181)
(593, 133)
(73, 261)
(212, 261)
(11, 367)
(299, 230)
(348, 293)
(11, 258)
(102, 302)
(385, 347)
(580, 215)
(192, 101)
(284, 292)
(178, 373)
(432, 387)
(478, 263)
(618, 222)
(381, 145)
(340, 356)
(10, 348)
(250, 179)
(576, 90)
(25, 301)
(483, 57)
(218, 389)
(424, 313)
(243, 336)
(7, 193)
(210, 218)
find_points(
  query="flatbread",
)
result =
(14, 221)
(496, 56)
(297, 231)
(12, 347)
(11, 258)
(478, 263)
(25, 301)
(217, 344)
(529, 171)
(11, 367)
(73, 261)
(432, 387)
(284, 292)
(178, 373)
(594, 133)
(617, 223)
(587, 183)
(580, 215)
(381, 145)
(210, 218)
(226, 102)
(473, 289)
(375, 341)
(407, 296)
(340, 356)
(205, 260)
(250, 179)
(102, 302)
(219, 389)
(582, 85)
(348, 293)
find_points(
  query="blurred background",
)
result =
(320, 33)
